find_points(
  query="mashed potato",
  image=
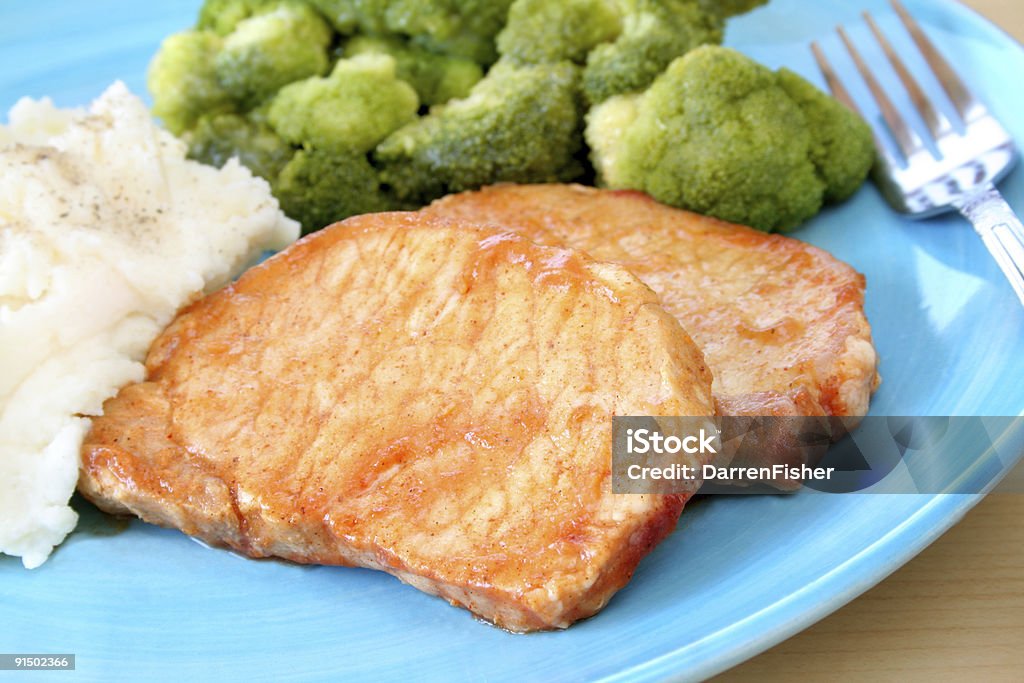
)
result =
(105, 231)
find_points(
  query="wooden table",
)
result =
(1009, 14)
(954, 613)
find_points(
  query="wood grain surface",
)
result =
(954, 613)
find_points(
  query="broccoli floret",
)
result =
(841, 146)
(353, 109)
(654, 32)
(461, 28)
(542, 31)
(182, 80)
(730, 8)
(348, 16)
(519, 124)
(436, 78)
(607, 125)
(221, 16)
(318, 188)
(271, 49)
(723, 135)
(219, 137)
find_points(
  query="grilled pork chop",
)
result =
(781, 323)
(397, 393)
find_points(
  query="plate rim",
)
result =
(929, 523)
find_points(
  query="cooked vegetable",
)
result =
(222, 16)
(348, 16)
(606, 126)
(722, 135)
(729, 8)
(318, 188)
(458, 28)
(542, 31)
(519, 124)
(271, 49)
(436, 78)
(461, 28)
(654, 33)
(842, 148)
(182, 80)
(218, 137)
(413, 107)
(351, 110)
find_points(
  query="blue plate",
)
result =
(142, 603)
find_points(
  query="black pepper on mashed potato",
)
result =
(106, 230)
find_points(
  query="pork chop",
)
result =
(398, 393)
(781, 322)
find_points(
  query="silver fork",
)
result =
(968, 163)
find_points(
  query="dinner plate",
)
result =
(136, 602)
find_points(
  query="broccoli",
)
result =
(723, 135)
(841, 146)
(318, 188)
(271, 49)
(730, 8)
(255, 81)
(349, 16)
(218, 137)
(182, 80)
(436, 78)
(353, 109)
(221, 16)
(460, 28)
(541, 31)
(607, 125)
(654, 32)
(519, 124)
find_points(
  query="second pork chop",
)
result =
(428, 400)
(781, 322)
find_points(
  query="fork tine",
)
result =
(909, 141)
(937, 122)
(965, 103)
(840, 92)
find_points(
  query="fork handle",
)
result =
(1000, 229)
